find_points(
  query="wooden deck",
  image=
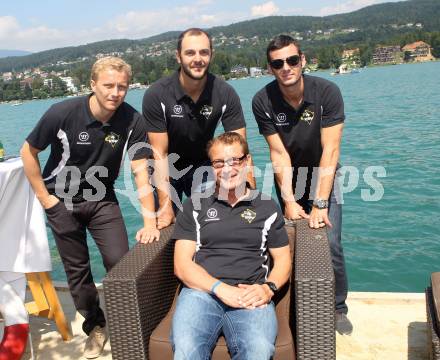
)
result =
(387, 326)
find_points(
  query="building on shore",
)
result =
(351, 58)
(417, 52)
(387, 55)
(255, 71)
(69, 84)
(239, 71)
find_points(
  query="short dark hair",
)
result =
(279, 42)
(192, 31)
(229, 138)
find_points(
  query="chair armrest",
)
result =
(138, 293)
(314, 287)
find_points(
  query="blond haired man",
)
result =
(88, 137)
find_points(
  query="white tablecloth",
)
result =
(23, 238)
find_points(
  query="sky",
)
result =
(41, 25)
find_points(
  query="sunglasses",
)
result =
(233, 161)
(279, 63)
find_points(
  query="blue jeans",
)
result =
(337, 252)
(200, 318)
(334, 238)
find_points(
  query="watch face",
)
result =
(321, 204)
(272, 286)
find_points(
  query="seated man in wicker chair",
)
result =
(221, 256)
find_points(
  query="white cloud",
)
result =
(38, 36)
(348, 6)
(265, 9)
(8, 25)
(13, 36)
(204, 2)
(208, 19)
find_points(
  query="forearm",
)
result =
(283, 175)
(326, 174)
(280, 273)
(162, 181)
(145, 194)
(194, 276)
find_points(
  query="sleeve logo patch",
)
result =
(112, 139)
(248, 215)
(307, 116)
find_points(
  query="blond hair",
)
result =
(110, 62)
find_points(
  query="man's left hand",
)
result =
(319, 218)
(147, 235)
(255, 296)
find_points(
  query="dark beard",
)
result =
(188, 73)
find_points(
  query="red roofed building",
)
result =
(418, 51)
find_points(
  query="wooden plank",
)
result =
(55, 306)
(40, 300)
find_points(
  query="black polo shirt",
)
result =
(232, 242)
(300, 129)
(78, 140)
(166, 108)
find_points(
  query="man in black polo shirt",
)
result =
(302, 118)
(89, 137)
(222, 257)
(182, 112)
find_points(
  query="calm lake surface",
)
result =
(391, 142)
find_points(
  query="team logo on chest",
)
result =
(248, 215)
(281, 118)
(206, 111)
(83, 136)
(112, 139)
(307, 116)
(177, 109)
(212, 215)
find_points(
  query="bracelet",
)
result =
(214, 286)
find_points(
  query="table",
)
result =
(24, 251)
(23, 237)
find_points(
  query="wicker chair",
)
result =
(432, 294)
(139, 292)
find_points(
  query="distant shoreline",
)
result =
(20, 102)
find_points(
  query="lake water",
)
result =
(392, 128)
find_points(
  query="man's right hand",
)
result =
(165, 217)
(49, 201)
(230, 295)
(294, 211)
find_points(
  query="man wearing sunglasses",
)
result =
(302, 118)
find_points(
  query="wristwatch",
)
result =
(320, 204)
(272, 286)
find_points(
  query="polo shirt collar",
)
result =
(91, 120)
(178, 90)
(248, 200)
(309, 90)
